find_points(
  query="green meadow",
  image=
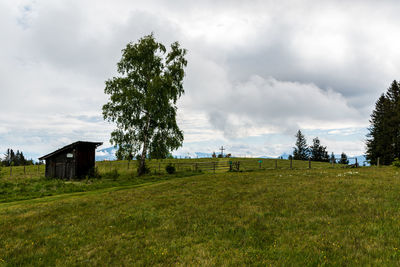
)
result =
(19, 183)
(258, 216)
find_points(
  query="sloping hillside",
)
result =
(278, 217)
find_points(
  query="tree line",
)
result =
(315, 152)
(15, 159)
(383, 139)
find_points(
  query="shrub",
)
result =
(396, 163)
(170, 168)
(146, 168)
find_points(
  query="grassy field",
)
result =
(280, 217)
(28, 182)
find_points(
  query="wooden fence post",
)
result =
(24, 170)
(378, 161)
(260, 163)
(309, 163)
(291, 163)
(159, 167)
(356, 163)
(214, 166)
(238, 166)
(276, 164)
(10, 170)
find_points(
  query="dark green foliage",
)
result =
(143, 100)
(145, 168)
(383, 139)
(15, 159)
(396, 163)
(318, 152)
(301, 151)
(170, 169)
(343, 159)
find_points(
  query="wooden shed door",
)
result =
(69, 174)
(60, 170)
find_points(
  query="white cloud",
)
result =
(258, 68)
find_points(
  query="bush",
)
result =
(396, 163)
(146, 168)
(170, 168)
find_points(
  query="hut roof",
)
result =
(95, 144)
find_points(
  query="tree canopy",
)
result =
(383, 139)
(300, 151)
(343, 159)
(15, 159)
(143, 100)
(318, 152)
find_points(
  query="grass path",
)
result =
(74, 195)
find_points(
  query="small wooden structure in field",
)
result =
(71, 161)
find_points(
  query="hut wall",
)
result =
(60, 166)
(85, 158)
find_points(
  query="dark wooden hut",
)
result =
(72, 161)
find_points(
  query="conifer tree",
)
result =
(300, 151)
(383, 139)
(318, 152)
(343, 159)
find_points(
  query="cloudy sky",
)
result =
(257, 70)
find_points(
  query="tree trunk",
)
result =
(142, 166)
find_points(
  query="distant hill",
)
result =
(109, 154)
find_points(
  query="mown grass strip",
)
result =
(72, 195)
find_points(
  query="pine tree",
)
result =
(301, 151)
(318, 152)
(383, 139)
(343, 159)
(15, 159)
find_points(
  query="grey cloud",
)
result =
(278, 106)
(254, 67)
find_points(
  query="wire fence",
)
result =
(214, 166)
(186, 165)
(23, 171)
